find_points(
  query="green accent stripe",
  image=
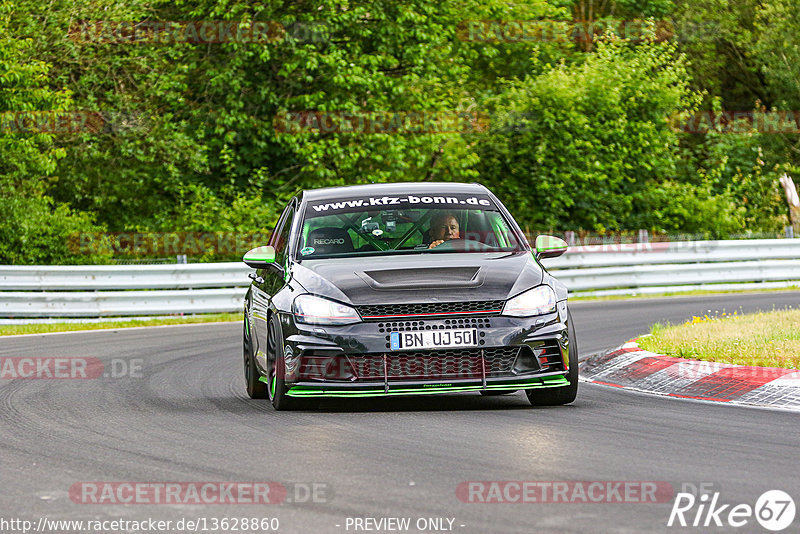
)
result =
(321, 391)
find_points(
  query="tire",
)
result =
(255, 388)
(490, 393)
(276, 370)
(564, 394)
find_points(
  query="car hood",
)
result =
(397, 279)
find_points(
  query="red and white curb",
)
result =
(630, 367)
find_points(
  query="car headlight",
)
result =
(316, 310)
(536, 301)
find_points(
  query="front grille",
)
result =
(435, 365)
(416, 326)
(380, 312)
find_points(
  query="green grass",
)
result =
(768, 339)
(42, 328)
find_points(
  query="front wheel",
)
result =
(255, 388)
(278, 391)
(563, 394)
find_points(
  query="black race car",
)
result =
(405, 289)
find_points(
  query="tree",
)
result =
(583, 143)
(33, 228)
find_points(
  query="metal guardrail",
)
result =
(123, 277)
(668, 275)
(119, 303)
(676, 253)
(128, 290)
(121, 290)
(678, 266)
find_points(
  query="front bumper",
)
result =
(356, 361)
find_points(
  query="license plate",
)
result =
(432, 339)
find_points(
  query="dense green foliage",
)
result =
(580, 130)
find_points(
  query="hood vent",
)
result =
(439, 277)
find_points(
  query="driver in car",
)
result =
(444, 227)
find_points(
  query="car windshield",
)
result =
(405, 225)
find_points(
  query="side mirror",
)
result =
(260, 257)
(548, 246)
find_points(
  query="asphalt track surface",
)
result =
(187, 419)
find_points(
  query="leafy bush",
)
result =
(36, 231)
(581, 142)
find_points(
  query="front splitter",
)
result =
(323, 390)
